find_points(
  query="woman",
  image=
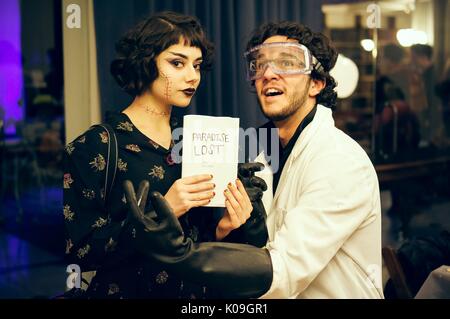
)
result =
(159, 63)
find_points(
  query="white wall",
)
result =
(81, 91)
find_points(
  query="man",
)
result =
(324, 221)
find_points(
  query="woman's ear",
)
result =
(316, 86)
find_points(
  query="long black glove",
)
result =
(237, 270)
(254, 230)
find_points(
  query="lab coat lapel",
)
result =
(322, 115)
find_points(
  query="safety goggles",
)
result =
(281, 57)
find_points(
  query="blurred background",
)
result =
(393, 78)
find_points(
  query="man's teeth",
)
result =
(271, 92)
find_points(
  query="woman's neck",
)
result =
(146, 109)
(151, 118)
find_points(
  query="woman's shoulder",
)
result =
(95, 134)
(119, 121)
(94, 139)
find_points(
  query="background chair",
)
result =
(396, 273)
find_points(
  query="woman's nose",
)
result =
(192, 75)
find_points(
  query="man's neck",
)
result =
(288, 126)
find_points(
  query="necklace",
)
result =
(155, 112)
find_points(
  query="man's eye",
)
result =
(287, 63)
(260, 65)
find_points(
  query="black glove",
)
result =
(254, 185)
(254, 230)
(237, 270)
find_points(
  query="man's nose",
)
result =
(269, 73)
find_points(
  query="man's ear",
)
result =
(315, 87)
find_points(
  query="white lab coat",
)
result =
(324, 220)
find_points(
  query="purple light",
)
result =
(11, 77)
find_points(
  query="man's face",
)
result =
(281, 96)
(419, 61)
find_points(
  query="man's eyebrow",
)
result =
(287, 55)
(281, 55)
(184, 56)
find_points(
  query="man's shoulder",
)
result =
(339, 148)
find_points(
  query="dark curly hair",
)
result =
(424, 50)
(319, 45)
(135, 66)
(393, 53)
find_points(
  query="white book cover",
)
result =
(211, 146)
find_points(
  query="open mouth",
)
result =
(272, 92)
(189, 92)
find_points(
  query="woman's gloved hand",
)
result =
(238, 270)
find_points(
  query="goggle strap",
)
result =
(316, 64)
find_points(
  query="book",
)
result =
(211, 146)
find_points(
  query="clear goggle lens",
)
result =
(281, 57)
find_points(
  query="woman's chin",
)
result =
(182, 104)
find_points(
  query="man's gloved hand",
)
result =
(238, 270)
(254, 185)
(254, 231)
(162, 232)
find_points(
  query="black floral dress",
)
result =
(100, 240)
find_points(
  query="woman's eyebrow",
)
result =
(183, 56)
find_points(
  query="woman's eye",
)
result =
(177, 63)
(197, 66)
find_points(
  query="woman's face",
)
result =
(179, 74)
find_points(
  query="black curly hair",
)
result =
(319, 45)
(135, 69)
